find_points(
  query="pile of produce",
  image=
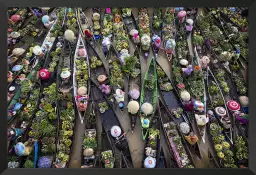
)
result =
(116, 78)
(108, 158)
(177, 144)
(107, 30)
(222, 147)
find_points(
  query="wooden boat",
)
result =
(113, 129)
(120, 36)
(179, 148)
(213, 160)
(172, 100)
(107, 30)
(162, 162)
(90, 154)
(98, 72)
(198, 79)
(65, 107)
(156, 30)
(130, 25)
(240, 147)
(134, 82)
(81, 74)
(66, 112)
(223, 149)
(85, 26)
(144, 30)
(212, 84)
(117, 80)
(152, 144)
(96, 18)
(148, 97)
(169, 32)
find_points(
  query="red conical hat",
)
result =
(233, 105)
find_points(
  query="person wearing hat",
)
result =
(88, 34)
(14, 133)
(150, 162)
(145, 123)
(156, 42)
(192, 138)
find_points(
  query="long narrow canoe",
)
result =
(173, 102)
(144, 30)
(132, 69)
(216, 95)
(178, 146)
(117, 79)
(91, 144)
(81, 74)
(223, 149)
(130, 24)
(112, 127)
(156, 29)
(152, 144)
(169, 32)
(148, 97)
(85, 26)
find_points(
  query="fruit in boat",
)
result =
(226, 145)
(218, 147)
(88, 152)
(221, 155)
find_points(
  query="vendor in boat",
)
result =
(14, 133)
(116, 132)
(88, 34)
(224, 118)
(119, 96)
(192, 138)
(244, 101)
(211, 116)
(150, 162)
(187, 102)
(82, 99)
(189, 25)
(156, 40)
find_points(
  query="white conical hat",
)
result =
(147, 108)
(69, 35)
(116, 131)
(185, 96)
(184, 62)
(37, 50)
(185, 128)
(133, 107)
(190, 21)
(65, 74)
(244, 100)
(82, 90)
(150, 162)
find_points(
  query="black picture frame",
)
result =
(4, 4)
